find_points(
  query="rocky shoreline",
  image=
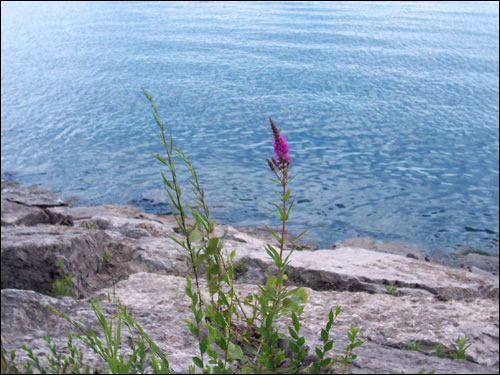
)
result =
(434, 303)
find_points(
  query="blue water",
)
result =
(391, 109)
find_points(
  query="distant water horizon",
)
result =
(390, 110)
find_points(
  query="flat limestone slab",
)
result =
(20, 214)
(31, 196)
(359, 269)
(158, 304)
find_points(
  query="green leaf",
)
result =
(221, 342)
(328, 326)
(213, 269)
(212, 246)
(195, 235)
(235, 351)
(328, 346)
(203, 345)
(264, 331)
(300, 293)
(324, 335)
(277, 236)
(282, 215)
(158, 157)
(269, 321)
(213, 285)
(199, 259)
(224, 299)
(319, 353)
(356, 344)
(198, 315)
(293, 333)
(270, 282)
(287, 195)
(290, 305)
(288, 256)
(193, 329)
(296, 323)
(300, 235)
(325, 362)
(293, 347)
(301, 341)
(273, 253)
(198, 362)
(248, 299)
(290, 208)
(219, 318)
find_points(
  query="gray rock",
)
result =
(20, 214)
(30, 254)
(158, 304)
(87, 212)
(386, 247)
(471, 262)
(155, 196)
(32, 196)
(161, 256)
(356, 269)
(435, 303)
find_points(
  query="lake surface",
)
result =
(391, 110)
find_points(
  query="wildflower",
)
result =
(282, 160)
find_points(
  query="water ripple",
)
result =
(390, 109)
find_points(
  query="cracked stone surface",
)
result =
(434, 304)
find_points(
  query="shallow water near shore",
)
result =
(390, 110)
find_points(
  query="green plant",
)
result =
(240, 267)
(91, 225)
(253, 338)
(439, 351)
(421, 371)
(391, 289)
(118, 359)
(58, 362)
(415, 345)
(62, 286)
(105, 256)
(242, 332)
(460, 349)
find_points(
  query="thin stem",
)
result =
(176, 187)
(283, 183)
(283, 179)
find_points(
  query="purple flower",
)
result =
(282, 160)
(281, 149)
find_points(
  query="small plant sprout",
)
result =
(415, 345)
(240, 267)
(105, 256)
(391, 289)
(62, 286)
(439, 351)
(460, 348)
(421, 371)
